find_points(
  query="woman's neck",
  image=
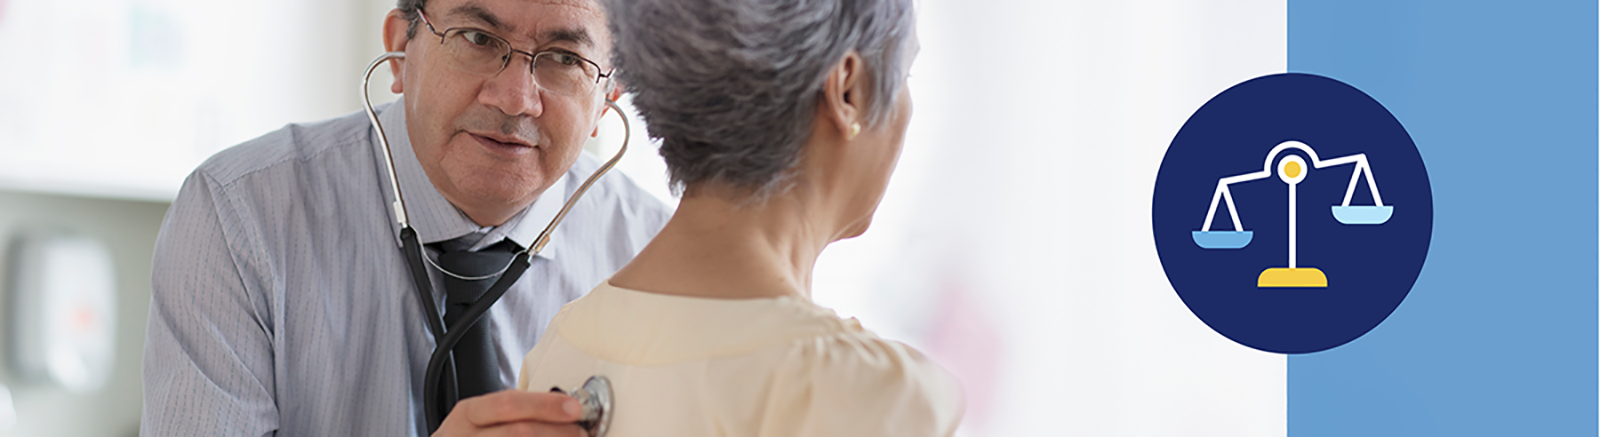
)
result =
(714, 247)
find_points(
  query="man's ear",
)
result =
(612, 95)
(616, 90)
(395, 26)
(844, 94)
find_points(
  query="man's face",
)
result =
(492, 144)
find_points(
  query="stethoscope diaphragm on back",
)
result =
(595, 398)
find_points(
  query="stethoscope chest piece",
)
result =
(595, 397)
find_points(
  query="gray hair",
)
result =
(408, 9)
(731, 87)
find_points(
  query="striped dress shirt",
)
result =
(282, 302)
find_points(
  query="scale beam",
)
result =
(1378, 213)
(1292, 170)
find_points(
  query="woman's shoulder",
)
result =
(846, 343)
(857, 359)
(641, 328)
(852, 382)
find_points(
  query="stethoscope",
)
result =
(595, 394)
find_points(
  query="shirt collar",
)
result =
(433, 217)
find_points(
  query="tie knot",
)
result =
(472, 264)
(505, 245)
(465, 243)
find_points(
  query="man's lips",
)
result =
(502, 143)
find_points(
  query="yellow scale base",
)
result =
(1283, 277)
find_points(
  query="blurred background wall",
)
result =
(105, 107)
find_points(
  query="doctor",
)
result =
(282, 301)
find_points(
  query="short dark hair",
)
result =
(409, 10)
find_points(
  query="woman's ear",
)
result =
(843, 95)
(395, 26)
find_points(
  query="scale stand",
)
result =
(1292, 170)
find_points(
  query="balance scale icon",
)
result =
(1292, 170)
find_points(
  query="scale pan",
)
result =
(1222, 239)
(1363, 215)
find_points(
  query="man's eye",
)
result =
(567, 59)
(477, 38)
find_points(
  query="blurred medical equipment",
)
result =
(63, 311)
(594, 395)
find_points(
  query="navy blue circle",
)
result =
(1369, 267)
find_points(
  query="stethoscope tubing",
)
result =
(446, 338)
(441, 353)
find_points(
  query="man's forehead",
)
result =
(577, 21)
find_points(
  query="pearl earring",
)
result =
(855, 129)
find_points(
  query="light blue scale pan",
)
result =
(1350, 215)
(1363, 215)
(1222, 239)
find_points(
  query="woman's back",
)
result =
(740, 367)
(780, 122)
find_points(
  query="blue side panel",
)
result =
(1498, 336)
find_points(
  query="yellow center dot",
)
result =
(1292, 169)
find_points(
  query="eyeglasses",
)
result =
(479, 52)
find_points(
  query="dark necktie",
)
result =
(477, 369)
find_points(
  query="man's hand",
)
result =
(514, 413)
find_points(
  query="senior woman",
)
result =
(780, 122)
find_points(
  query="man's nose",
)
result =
(513, 90)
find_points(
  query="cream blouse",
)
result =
(685, 366)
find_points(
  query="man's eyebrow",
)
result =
(575, 35)
(475, 12)
(478, 13)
